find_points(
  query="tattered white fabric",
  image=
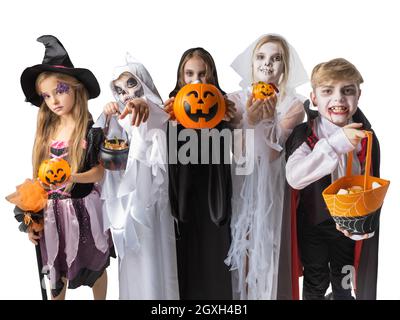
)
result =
(136, 207)
(257, 212)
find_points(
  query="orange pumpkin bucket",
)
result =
(54, 171)
(262, 90)
(199, 106)
(356, 212)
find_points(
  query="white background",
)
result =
(97, 35)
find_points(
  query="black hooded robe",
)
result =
(200, 196)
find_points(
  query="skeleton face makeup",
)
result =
(268, 63)
(128, 87)
(337, 101)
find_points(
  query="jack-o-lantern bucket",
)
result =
(114, 151)
(262, 90)
(55, 171)
(199, 105)
(355, 211)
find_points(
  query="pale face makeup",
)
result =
(194, 70)
(337, 101)
(268, 63)
(128, 87)
(58, 96)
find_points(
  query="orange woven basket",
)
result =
(351, 211)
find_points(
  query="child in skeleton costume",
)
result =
(75, 247)
(136, 203)
(317, 155)
(257, 208)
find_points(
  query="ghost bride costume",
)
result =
(257, 210)
(136, 206)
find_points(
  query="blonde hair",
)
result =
(48, 122)
(334, 70)
(285, 58)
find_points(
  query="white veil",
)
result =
(243, 66)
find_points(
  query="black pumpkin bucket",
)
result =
(114, 151)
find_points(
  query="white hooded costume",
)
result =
(257, 210)
(136, 206)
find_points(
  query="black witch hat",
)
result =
(56, 59)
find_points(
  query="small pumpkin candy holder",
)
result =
(115, 149)
(55, 171)
(262, 90)
(199, 106)
(355, 212)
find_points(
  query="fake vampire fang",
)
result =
(338, 110)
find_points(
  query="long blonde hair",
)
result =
(285, 58)
(48, 122)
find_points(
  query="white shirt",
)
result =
(329, 156)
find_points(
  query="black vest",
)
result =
(311, 208)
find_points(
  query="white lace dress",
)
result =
(257, 208)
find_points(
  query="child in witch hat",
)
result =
(74, 247)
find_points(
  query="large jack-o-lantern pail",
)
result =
(199, 106)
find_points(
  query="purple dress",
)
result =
(75, 245)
